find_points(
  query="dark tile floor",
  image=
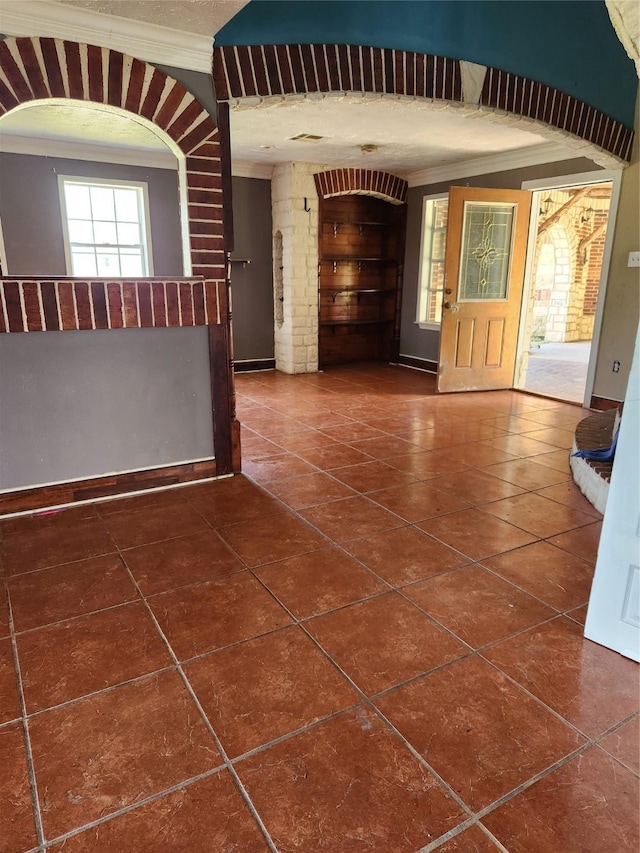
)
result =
(371, 641)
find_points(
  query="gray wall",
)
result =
(197, 82)
(82, 404)
(32, 220)
(423, 343)
(252, 285)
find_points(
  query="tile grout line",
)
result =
(35, 800)
(472, 505)
(475, 653)
(364, 699)
(300, 624)
(363, 696)
(132, 807)
(400, 588)
(227, 763)
(300, 730)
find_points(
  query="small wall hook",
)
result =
(306, 206)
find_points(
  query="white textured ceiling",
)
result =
(80, 124)
(410, 135)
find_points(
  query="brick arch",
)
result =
(263, 71)
(363, 182)
(41, 69)
(46, 69)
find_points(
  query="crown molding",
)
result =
(38, 146)
(536, 155)
(41, 147)
(150, 42)
(246, 169)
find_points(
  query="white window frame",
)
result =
(424, 269)
(143, 210)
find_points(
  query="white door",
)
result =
(613, 617)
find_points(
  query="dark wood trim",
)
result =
(254, 364)
(419, 363)
(236, 447)
(43, 497)
(220, 397)
(602, 404)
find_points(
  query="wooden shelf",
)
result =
(335, 292)
(339, 259)
(361, 246)
(354, 322)
(360, 223)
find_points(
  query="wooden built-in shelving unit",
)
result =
(360, 275)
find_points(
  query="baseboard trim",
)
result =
(254, 364)
(77, 491)
(418, 363)
(602, 404)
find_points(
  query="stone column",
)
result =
(296, 327)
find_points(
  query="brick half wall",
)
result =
(47, 304)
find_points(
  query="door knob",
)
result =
(448, 304)
(448, 291)
(452, 306)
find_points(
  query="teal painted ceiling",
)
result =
(568, 44)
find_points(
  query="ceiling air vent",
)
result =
(305, 137)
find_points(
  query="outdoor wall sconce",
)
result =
(545, 205)
(586, 215)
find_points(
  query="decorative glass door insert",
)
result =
(486, 251)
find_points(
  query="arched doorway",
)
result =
(36, 71)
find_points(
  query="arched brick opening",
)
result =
(382, 185)
(36, 70)
(284, 70)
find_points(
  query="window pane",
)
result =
(486, 244)
(131, 262)
(80, 231)
(128, 235)
(83, 262)
(102, 203)
(109, 225)
(439, 240)
(436, 307)
(126, 205)
(108, 263)
(432, 266)
(77, 201)
(441, 211)
(105, 232)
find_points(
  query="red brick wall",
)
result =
(48, 304)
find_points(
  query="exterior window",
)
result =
(431, 289)
(105, 227)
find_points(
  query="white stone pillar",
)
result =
(296, 337)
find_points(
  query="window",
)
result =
(105, 227)
(431, 288)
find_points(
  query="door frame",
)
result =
(580, 179)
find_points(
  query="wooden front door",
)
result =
(487, 234)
